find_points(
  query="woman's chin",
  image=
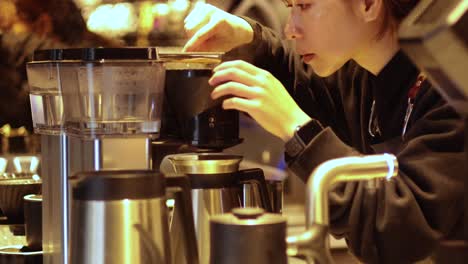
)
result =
(322, 72)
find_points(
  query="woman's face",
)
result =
(328, 33)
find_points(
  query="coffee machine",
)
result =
(102, 109)
(95, 109)
(434, 35)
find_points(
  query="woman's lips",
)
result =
(308, 57)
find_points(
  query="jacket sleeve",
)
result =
(401, 220)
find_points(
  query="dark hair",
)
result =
(68, 24)
(394, 12)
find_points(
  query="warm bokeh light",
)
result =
(458, 12)
(88, 2)
(113, 20)
(3, 165)
(146, 17)
(142, 18)
(180, 5)
(28, 164)
(161, 9)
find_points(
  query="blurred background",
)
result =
(160, 23)
(27, 25)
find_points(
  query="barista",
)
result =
(347, 89)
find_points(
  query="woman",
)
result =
(363, 97)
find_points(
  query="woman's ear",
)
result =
(370, 10)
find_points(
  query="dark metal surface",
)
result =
(435, 37)
(117, 185)
(33, 221)
(248, 238)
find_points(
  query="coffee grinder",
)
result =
(191, 120)
(95, 109)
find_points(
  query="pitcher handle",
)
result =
(181, 185)
(256, 176)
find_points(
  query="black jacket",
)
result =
(397, 221)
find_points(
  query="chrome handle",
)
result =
(343, 170)
(356, 168)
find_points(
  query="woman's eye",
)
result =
(303, 7)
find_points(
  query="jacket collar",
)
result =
(390, 91)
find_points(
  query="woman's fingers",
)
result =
(199, 16)
(203, 34)
(239, 64)
(212, 29)
(237, 90)
(233, 75)
(241, 104)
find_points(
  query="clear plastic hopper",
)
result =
(46, 102)
(96, 92)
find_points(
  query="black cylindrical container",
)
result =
(33, 221)
(189, 113)
(248, 236)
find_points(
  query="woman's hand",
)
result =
(212, 29)
(258, 93)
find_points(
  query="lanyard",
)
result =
(373, 126)
(411, 98)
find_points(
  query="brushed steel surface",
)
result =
(276, 194)
(64, 156)
(54, 195)
(250, 196)
(118, 232)
(199, 163)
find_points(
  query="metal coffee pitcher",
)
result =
(250, 236)
(121, 217)
(216, 183)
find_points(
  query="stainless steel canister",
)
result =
(120, 217)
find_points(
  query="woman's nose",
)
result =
(291, 29)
